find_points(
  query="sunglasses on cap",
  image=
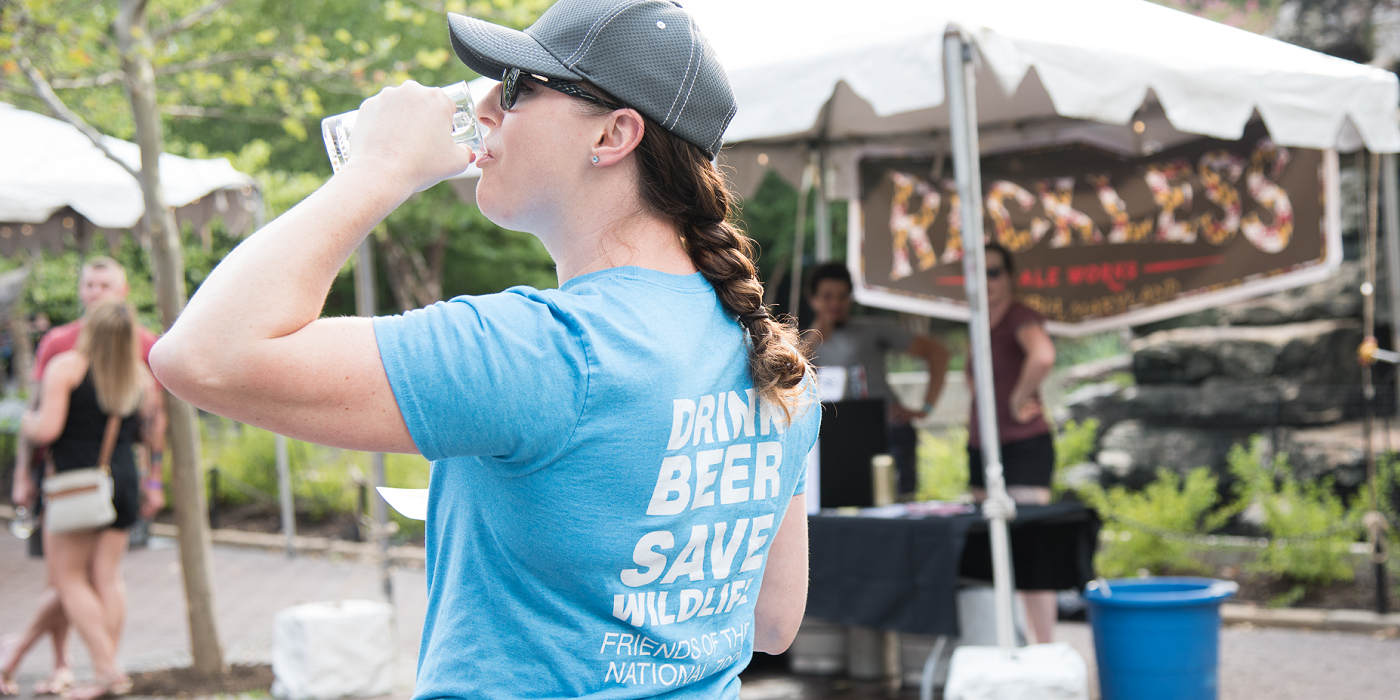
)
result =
(510, 89)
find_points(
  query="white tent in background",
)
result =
(822, 82)
(1043, 67)
(57, 189)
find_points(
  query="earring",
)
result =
(595, 159)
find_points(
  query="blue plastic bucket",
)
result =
(1158, 638)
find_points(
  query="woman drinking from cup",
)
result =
(616, 503)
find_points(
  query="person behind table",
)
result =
(616, 505)
(103, 377)
(841, 340)
(100, 279)
(1022, 356)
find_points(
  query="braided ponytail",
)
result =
(678, 182)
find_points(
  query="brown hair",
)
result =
(677, 182)
(109, 341)
(1006, 260)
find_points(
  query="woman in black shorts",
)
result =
(103, 376)
(1022, 356)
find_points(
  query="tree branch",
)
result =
(111, 76)
(218, 58)
(116, 76)
(18, 90)
(47, 94)
(188, 21)
(197, 112)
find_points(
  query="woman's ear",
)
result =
(621, 133)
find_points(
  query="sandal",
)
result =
(8, 685)
(121, 685)
(58, 683)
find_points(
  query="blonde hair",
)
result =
(110, 342)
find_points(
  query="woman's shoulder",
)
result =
(70, 365)
(1021, 315)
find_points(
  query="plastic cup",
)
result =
(465, 128)
(24, 524)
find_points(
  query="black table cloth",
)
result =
(902, 574)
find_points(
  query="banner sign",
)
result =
(1101, 241)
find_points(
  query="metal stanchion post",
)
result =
(284, 495)
(365, 306)
(214, 498)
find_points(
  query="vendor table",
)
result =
(902, 574)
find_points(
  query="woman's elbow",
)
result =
(183, 370)
(44, 436)
(774, 639)
(774, 630)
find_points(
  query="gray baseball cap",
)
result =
(647, 53)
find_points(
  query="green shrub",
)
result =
(942, 465)
(1143, 525)
(1307, 521)
(324, 479)
(1074, 351)
(1073, 445)
(942, 462)
(1387, 480)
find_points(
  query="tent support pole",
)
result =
(967, 170)
(799, 244)
(823, 216)
(284, 496)
(1391, 206)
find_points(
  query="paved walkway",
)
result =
(253, 585)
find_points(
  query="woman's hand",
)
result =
(152, 502)
(900, 415)
(1025, 409)
(405, 133)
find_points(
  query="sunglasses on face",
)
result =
(995, 272)
(510, 89)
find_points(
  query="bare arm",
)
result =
(251, 344)
(935, 356)
(153, 435)
(43, 426)
(783, 598)
(153, 419)
(1040, 359)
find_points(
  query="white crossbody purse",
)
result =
(81, 499)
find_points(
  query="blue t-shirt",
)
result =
(605, 485)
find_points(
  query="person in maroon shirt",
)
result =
(102, 278)
(1022, 356)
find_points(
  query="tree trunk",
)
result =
(190, 512)
(415, 279)
(22, 354)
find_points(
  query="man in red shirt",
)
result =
(101, 279)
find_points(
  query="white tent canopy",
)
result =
(1093, 59)
(1081, 70)
(47, 164)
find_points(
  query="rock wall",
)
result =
(1283, 367)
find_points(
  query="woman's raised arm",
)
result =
(251, 344)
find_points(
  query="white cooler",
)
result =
(323, 651)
